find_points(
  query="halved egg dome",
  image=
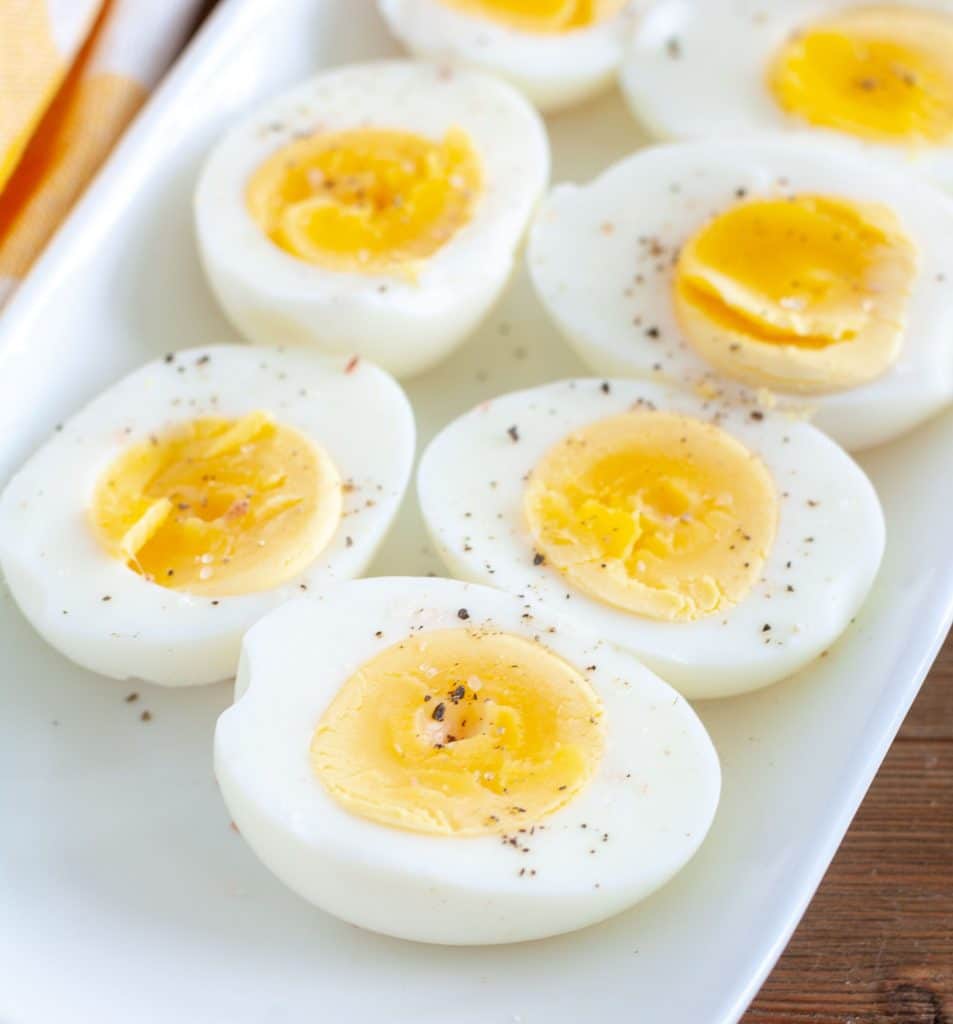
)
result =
(195, 495)
(725, 547)
(876, 75)
(375, 209)
(557, 52)
(431, 760)
(784, 272)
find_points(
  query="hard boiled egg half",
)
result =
(878, 75)
(558, 52)
(726, 547)
(432, 760)
(201, 491)
(374, 209)
(783, 271)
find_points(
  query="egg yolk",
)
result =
(806, 293)
(881, 73)
(460, 732)
(369, 200)
(543, 16)
(219, 507)
(658, 514)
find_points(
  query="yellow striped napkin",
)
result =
(72, 75)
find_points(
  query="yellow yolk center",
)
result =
(219, 507)
(543, 16)
(882, 73)
(369, 200)
(457, 732)
(659, 514)
(805, 294)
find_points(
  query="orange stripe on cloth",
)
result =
(31, 69)
(82, 124)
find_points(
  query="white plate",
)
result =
(125, 894)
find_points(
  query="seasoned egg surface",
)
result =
(374, 209)
(558, 52)
(784, 271)
(195, 495)
(877, 75)
(725, 547)
(436, 761)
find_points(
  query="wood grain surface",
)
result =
(876, 944)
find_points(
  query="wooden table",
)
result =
(876, 944)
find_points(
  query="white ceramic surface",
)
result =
(124, 894)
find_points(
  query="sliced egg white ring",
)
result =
(553, 70)
(602, 256)
(653, 796)
(827, 549)
(697, 69)
(106, 617)
(404, 324)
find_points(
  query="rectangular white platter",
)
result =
(126, 896)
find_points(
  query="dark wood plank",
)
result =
(931, 717)
(876, 945)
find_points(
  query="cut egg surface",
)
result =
(876, 75)
(374, 209)
(557, 52)
(436, 761)
(780, 272)
(725, 547)
(194, 496)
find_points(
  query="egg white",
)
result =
(698, 69)
(554, 71)
(590, 244)
(106, 617)
(828, 547)
(405, 325)
(654, 793)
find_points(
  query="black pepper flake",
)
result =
(757, 414)
(538, 559)
(106, 597)
(349, 542)
(605, 387)
(131, 698)
(673, 48)
(146, 716)
(439, 711)
(427, 697)
(653, 332)
(766, 628)
(458, 694)
(463, 614)
(202, 360)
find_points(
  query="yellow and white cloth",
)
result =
(73, 73)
